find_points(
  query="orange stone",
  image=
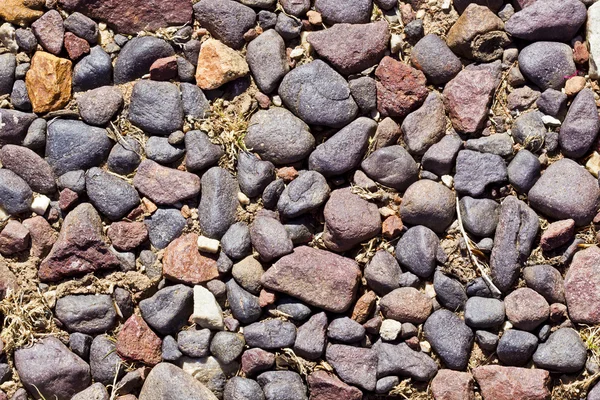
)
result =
(392, 226)
(48, 82)
(363, 307)
(219, 64)
(183, 262)
(137, 342)
(21, 12)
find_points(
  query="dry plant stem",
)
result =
(472, 257)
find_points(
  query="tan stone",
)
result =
(574, 85)
(21, 12)
(48, 82)
(219, 64)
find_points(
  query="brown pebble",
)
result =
(392, 227)
(581, 55)
(263, 100)
(14, 238)
(363, 307)
(67, 199)
(558, 311)
(373, 325)
(413, 343)
(557, 234)
(164, 69)
(288, 174)
(76, 46)
(314, 17)
(266, 298)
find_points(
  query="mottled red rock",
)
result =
(511, 383)
(256, 360)
(76, 46)
(137, 342)
(326, 386)
(164, 69)
(42, 235)
(132, 16)
(363, 307)
(467, 97)
(406, 304)
(452, 385)
(80, 247)
(557, 234)
(49, 31)
(582, 286)
(581, 54)
(317, 277)
(126, 236)
(266, 298)
(183, 262)
(400, 89)
(14, 238)
(352, 48)
(392, 227)
(288, 174)
(558, 311)
(165, 185)
(526, 309)
(407, 13)
(67, 199)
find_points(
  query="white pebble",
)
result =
(593, 164)
(507, 325)
(277, 101)
(7, 37)
(40, 204)
(446, 5)
(448, 180)
(550, 120)
(243, 199)
(396, 43)
(386, 212)
(425, 347)
(3, 214)
(208, 245)
(207, 312)
(298, 52)
(430, 291)
(390, 329)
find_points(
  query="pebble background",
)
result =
(299, 200)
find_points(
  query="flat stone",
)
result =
(517, 229)
(207, 312)
(566, 190)
(311, 337)
(138, 55)
(218, 64)
(582, 286)
(352, 48)
(432, 55)
(182, 262)
(547, 281)
(218, 203)
(318, 95)
(400, 89)
(169, 382)
(93, 71)
(557, 234)
(342, 11)
(406, 305)
(475, 171)
(317, 277)
(256, 360)
(156, 107)
(48, 82)
(164, 226)
(484, 313)
(554, 20)
(402, 360)
(428, 203)
(80, 247)
(563, 351)
(391, 166)
(516, 347)
(418, 250)
(168, 309)
(354, 365)
(467, 97)
(547, 64)
(450, 338)
(89, 314)
(99, 106)
(165, 185)
(325, 386)
(76, 46)
(449, 385)
(49, 31)
(266, 58)
(15, 125)
(51, 370)
(581, 125)
(73, 145)
(137, 342)
(306, 193)
(506, 383)
(226, 20)
(111, 195)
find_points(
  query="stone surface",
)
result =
(547, 281)
(93, 71)
(218, 203)
(580, 127)
(391, 166)
(428, 203)
(582, 287)
(266, 58)
(506, 383)
(156, 107)
(325, 386)
(526, 309)
(406, 305)
(305, 193)
(354, 365)
(49, 31)
(317, 277)
(164, 225)
(425, 126)
(450, 338)
(418, 250)
(475, 171)
(524, 171)
(547, 64)
(226, 20)
(516, 347)
(218, 64)
(48, 82)
(31, 167)
(137, 342)
(201, 153)
(168, 309)
(382, 272)
(99, 106)
(563, 351)
(182, 262)
(404, 361)
(112, 196)
(452, 385)
(21, 12)
(169, 382)
(432, 56)
(342, 11)
(165, 185)
(400, 89)
(270, 239)
(89, 314)
(484, 313)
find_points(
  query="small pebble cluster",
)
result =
(298, 199)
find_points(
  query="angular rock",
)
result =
(168, 309)
(582, 287)
(354, 365)
(418, 250)
(581, 125)
(42, 235)
(21, 12)
(245, 307)
(425, 126)
(432, 56)
(253, 174)
(400, 89)
(450, 338)
(76, 46)
(310, 337)
(165, 185)
(201, 153)
(182, 262)
(49, 31)
(402, 360)
(90, 314)
(218, 203)
(461, 5)
(137, 342)
(324, 386)
(218, 64)
(226, 20)
(506, 383)
(266, 58)
(111, 195)
(547, 64)
(449, 385)
(48, 82)
(475, 171)
(317, 277)
(207, 312)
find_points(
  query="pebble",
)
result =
(516, 347)
(288, 27)
(487, 341)
(82, 26)
(168, 378)
(16, 124)
(292, 275)
(310, 338)
(406, 304)
(8, 64)
(239, 388)
(324, 385)
(390, 329)
(354, 365)
(165, 185)
(302, 92)
(339, 11)
(112, 196)
(304, 194)
(592, 36)
(236, 242)
(270, 238)
(479, 216)
(364, 92)
(429, 204)
(418, 250)
(402, 360)
(529, 130)
(14, 238)
(450, 338)
(563, 352)
(245, 306)
(156, 107)
(256, 360)
(504, 383)
(49, 31)
(137, 342)
(207, 312)
(391, 166)
(99, 106)
(278, 136)
(351, 48)
(19, 96)
(581, 125)
(448, 384)
(345, 330)
(136, 57)
(194, 343)
(523, 98)
(168, 309)
(566, 190)
(219, 64)
(557, 234)
(484, 313)
(441, 156)
(97, 392)
(218, 203)
(547, 64)
(270, 334)
(31, 167)
(25, 40)
(450, 293)
(41, 234)
(163, 226)
(582, 277)
(226, 20)
(343, 151)
(49, 82)
(475, 171)
(401, 88)
(553, 103)
(500, 144)
(524, 171)
(432, 56)
(282, 383)
(89, 314)
(160, 150)
(105, 363)
(248, 272)
(526, 309)
(76, 46)
(266, 58)
(201, 153)
(253, 174)
(554, 20)
(182, 262)
(93, 71)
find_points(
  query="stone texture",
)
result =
(137, 342)
(406, 305)
(156, 107)
(48, 82)
(582, 287)
(112, 196)
(426, 126)
(507, 383)
(391, 166)
(182, 262)
(526, 309)
(266, 58)
(432, 56)
(343, 11)
(402, 360)
(93, 71)
(42, 235)
(452, 385)
(475, 171)
(89, 314)
(15, 125)
(306, 193)
(547, 64)
(450, 338)
(218, 64)
(563, 351)
(317, 277)
(165, 185)
(31, 167)
(14, 238)
(354, 365)
(168, 309)
(400, 89)
(169, 382)
(49, 31)
(127, 236)
(428, 203)
(21, 12)
(547, 281)
(580, 127)
(218, 203)
(226, 20)
(325, 386)
(269, 238)
(99, 106)
(419, 250)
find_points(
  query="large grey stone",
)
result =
(547, 64)
(156, 107)
(218, 202)
(137, 56)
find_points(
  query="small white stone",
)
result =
(243, 199)
(208, 245)
(430, 291)
(3, 214)
(277, 101)
(448, 180)
(50, 297)
(420, 14)
(40, 204)
(425, 347)
(298, 52)
(593, 39)
(7, 37)
(446, 5)
(550, 120)
(507, 325)
(386, 212)
(390, 329)
(207, 312)
(396, 43)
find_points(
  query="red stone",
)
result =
(400, 89)
(137, 342)
(126, 236)
(183, 262)
(76, 46)
(256, 360)
(582, 286)
(266, 298)
(164, 69)
(557, 234)
(581, 54)
(363, 307)
(80, 247)
(326, 386)
(42, 235)
(67, 199)
(14, 238)
(263, 100)
(526, 309)
(392, 227)
(452, 385)
(413, 343)
(132, 16)
(165, 185)
(511, 383)
(288, 174)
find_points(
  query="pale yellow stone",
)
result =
(21, 12)
(593, 164)
(48, 82)
(219, 64)
(574, 85)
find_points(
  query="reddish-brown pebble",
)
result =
(126, 236)
(452, 385)
(137, 342)
(164, 69)
(14, 238)
(256, 360)
(76, 46)
(183, 262)
(42, 235)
